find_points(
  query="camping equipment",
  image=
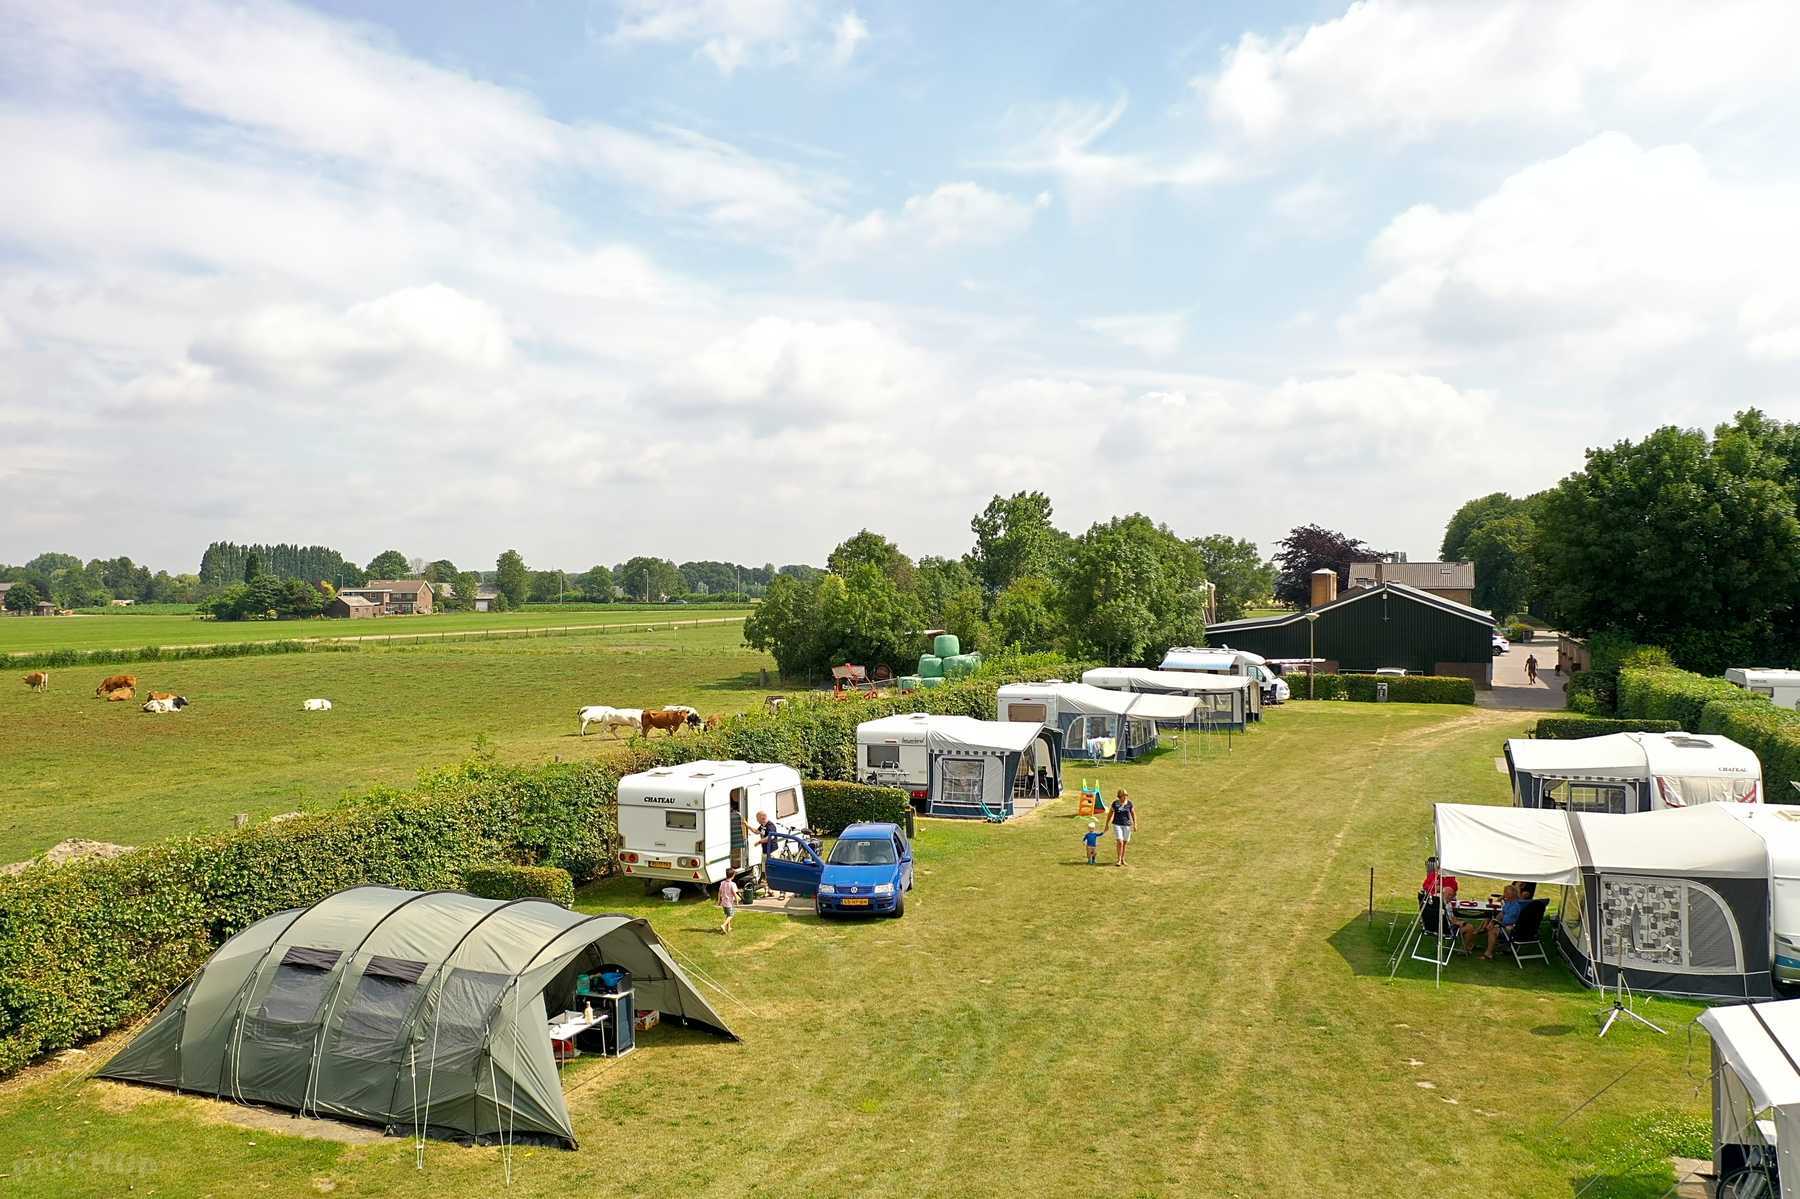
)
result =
(1755, 1051)
(419, 1011)
(1632, 772)
(959, 767)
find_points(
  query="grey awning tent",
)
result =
(1675, 901)
(420, 1011)
(1756, 1069)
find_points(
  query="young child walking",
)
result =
(728, 900)
(1091, 839)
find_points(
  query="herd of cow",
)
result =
(671, 719)
(117, 688)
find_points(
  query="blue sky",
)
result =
(734, 278)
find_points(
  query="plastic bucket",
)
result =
(671, 893)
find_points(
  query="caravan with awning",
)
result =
(1093, 722)
(1223, 699)
(1674, 902)
(1632, 772)
(961, 767)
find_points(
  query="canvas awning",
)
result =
(1084, 700)
(1550, 845)
(948, 734)
(1174, 682)
(1616, 756)
(1761, 1044)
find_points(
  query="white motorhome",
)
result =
(1225, 699)
(1222, 659)
(675, 822)
(1782, 687)
(1632, 772)
(961, 767)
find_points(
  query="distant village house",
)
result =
(394, 597)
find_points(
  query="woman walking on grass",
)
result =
(1124, 822)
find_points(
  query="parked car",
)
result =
(1391, 670)
(869, 869)
(1501, 644)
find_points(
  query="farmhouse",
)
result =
(1454, 581)
(352, 607)
(397, 597)
(1388, 625)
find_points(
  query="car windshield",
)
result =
(870, 851)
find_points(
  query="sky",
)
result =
(735, 278)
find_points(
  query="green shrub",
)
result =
(1518, 630)
(1664, 693)
(1771, 733)
(506, 881)
(1562, 728)
(1594, 692)
(1402, 689)
(48, 659)
(832, 805)
(87, 947)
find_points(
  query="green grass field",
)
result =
(1214, 1020)
(131, 631)
(79, 766)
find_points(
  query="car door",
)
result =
(904, 851)
(798, 868)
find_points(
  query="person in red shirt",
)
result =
(1438, 883)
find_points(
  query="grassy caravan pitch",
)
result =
(1224, 997)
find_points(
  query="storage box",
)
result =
(646, 1020)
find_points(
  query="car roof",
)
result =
(870, 830)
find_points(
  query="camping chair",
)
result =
(1434, 923)
(1522, 938)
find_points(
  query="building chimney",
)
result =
(1380, 573)
(1324, 586)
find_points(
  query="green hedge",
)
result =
(1402, 689)
(1574, 728)
(506, 881)
(52, 658)
(833, 805)
(1771, 733)
(1665, 693)
(88, 947)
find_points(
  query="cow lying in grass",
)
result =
(115, 682)
(119, 695)
(316, 705)
(173, 703)
(613, 718)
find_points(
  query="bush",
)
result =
(1664, 693)
(832, 806)
(506, 881)
(1594, 693)
(87, 947)
(1561, 728)
(1402, 689)
(1519, 631)
(1771, 733)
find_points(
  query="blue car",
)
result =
(870, 869)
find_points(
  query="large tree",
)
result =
(510, 576)
(786, 624)
(1237, 571)
(1674, 540)
(1307, 548)
(938, 582)
(1024, 616)
(595, 583)
(872, 549)
(649, 580)
(1132, 589)
(1503, 550)
(23, 597)
(1014, 538)
(388, 564)
(1470, 517)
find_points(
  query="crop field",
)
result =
(132, 631)
(1215, 1019)
(75, 765)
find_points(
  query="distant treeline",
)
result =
(225, 562)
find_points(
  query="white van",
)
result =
(1782, 687)
(675, 821)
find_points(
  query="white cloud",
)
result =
(952, 214)
(1601, 261)
(1064, 139)
(731, 34)
(1158, 334)
(1313, 208)
(1412, 69)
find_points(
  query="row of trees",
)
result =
(64, 580)
(1682, 540)
(1122, 591)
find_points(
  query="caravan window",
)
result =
(787, 803)
(884, 757)
(1586, 797)
(687, 821)
(1027, 713)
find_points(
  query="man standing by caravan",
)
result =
(1124, 822)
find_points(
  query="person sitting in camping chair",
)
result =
(1511, 908)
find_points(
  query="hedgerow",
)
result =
(833, 805)
(1401, 689)
(1575, 728)
(1665, 693)
(1712, 705)
(87, 947)
(49, 659)
(503, 880)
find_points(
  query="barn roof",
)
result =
(1450, 576)
(1400, 590)
(395, 585)
(354, 600)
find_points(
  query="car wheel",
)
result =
(899, 905)
(819, 908)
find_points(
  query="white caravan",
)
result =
(1632, 772)
(1222, 659)
(675, 821)
(957, 766)
(1782, 687)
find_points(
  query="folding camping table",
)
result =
(566, 1027)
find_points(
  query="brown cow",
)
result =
(120, 694)
(674, 722)
(113, 682)
(38, 680)
(162, 695)
(713, 722)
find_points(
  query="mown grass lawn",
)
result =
(129, 630)
(75, 765)
(1213, 1020)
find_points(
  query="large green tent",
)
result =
(421, 1011)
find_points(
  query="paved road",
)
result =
(1512, 689)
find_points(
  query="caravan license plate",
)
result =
(662, 865)
(856, 903)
